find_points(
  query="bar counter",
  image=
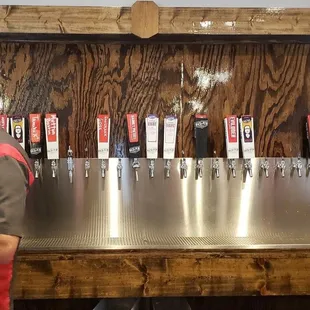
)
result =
(209, 236)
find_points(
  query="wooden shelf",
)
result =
(180, 21)
(161, 273)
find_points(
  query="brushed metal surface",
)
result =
(161, 213)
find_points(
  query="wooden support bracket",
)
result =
(144, 19)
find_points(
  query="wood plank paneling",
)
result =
(161, 273)
(270, 81)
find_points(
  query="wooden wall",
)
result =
(270, 81)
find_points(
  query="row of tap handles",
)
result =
(235, 128)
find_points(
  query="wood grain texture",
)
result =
(161, 273)
(107, 20)
(79, 81)
(250, 21)
(62, 19)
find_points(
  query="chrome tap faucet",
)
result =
(37, 168)
(103, 168)
(87, 165)
(168, 167)
(136, 166)
(199, 167)
(183, 167)
(298, 166)
(264, 165)
(119, 168)
(232, 167)
(70, 163)
(216, 167)
(152, 167)
(248, 166)
(54, 168)
(281, 166)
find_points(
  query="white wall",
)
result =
(180, 3)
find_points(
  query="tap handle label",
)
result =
(4, 122)
(133, 136)
(151, 124)
(103, 128)
(231, 126)
(201, 124)
(51, 135)
(35, 133)
(247, 136)
(170, 132)
(18, 129)
(247, 128)
(51, 127)
(35, 128)
(132, 124)
(103, 135)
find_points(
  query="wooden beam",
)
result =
(251, 21)
(144, 18)
(67, 20)
(111, 20)
(161, 273)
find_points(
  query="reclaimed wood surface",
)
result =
(161, 273)
(172, 20)
(79, 81)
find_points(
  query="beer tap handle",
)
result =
(201, 124)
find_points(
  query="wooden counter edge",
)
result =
(172, 20)
(161, 273)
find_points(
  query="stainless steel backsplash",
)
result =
(159, 212)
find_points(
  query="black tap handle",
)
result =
(201, 124)
(134, 149)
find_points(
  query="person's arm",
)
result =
(12, 205)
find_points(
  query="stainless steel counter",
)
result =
(168, 213)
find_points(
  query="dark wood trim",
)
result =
(161, 273)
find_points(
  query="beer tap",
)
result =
(37, 168)
(170, 131)
(281, 166)
(247, 164)
(232, 167)
(264, 165)
(136, 166)
(52, 144)
(216, 167)
(133, 142)
(103, 167)
(298, 166)
(201, 124)
(183, 167)
(119, 168)
(152, 167)
(168, 167)
(247, 142)
(87, 164)
(151, 126)
(70, 164)
(232, 141)
(54, 168)
(103, 138)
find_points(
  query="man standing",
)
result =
(15, 179)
